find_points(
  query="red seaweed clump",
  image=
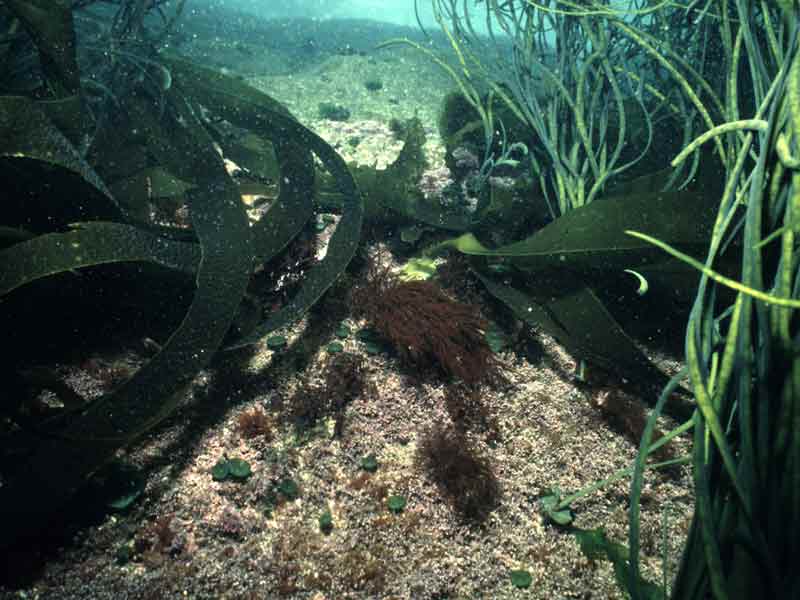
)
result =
(426, 327)
(465, 477)
(253, 424)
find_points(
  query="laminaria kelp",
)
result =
(62, 155)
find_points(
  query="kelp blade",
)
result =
(248, 108)
(592, 237)
(90, 244)
(33, 149)
(79, 444)
(572, 313)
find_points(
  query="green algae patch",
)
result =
(521, 579)
(235, 469)
(396, 503)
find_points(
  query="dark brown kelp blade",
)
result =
(78, 445)
(592, 237)
(80, 442)
(50, 25)
(40, 169)
(293, 144)
(87, 245)
(562, 262)
(573, 314)
(248, 108)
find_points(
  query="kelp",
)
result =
(557, 276)
(250, 109)
(253, 154)
(84, 440)
(49, 24)
(156, 182)
(221, 250)
(31, 148)
(574, 315)
(90, 244)
(236, 102)
(593, 237)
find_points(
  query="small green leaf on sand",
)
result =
(369, 463)
(521, 579)
(396, 504)
(326, 522)
(561, 517)
(221, 470)
(233, 468)
(418, 269)
(239, 469)
(289, 489)
(549, 504)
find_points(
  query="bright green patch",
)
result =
(418, 269)
(550, 508)
(326, 522)
(235, 469)
(396, 503)
(521, 579)
(239, 469)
